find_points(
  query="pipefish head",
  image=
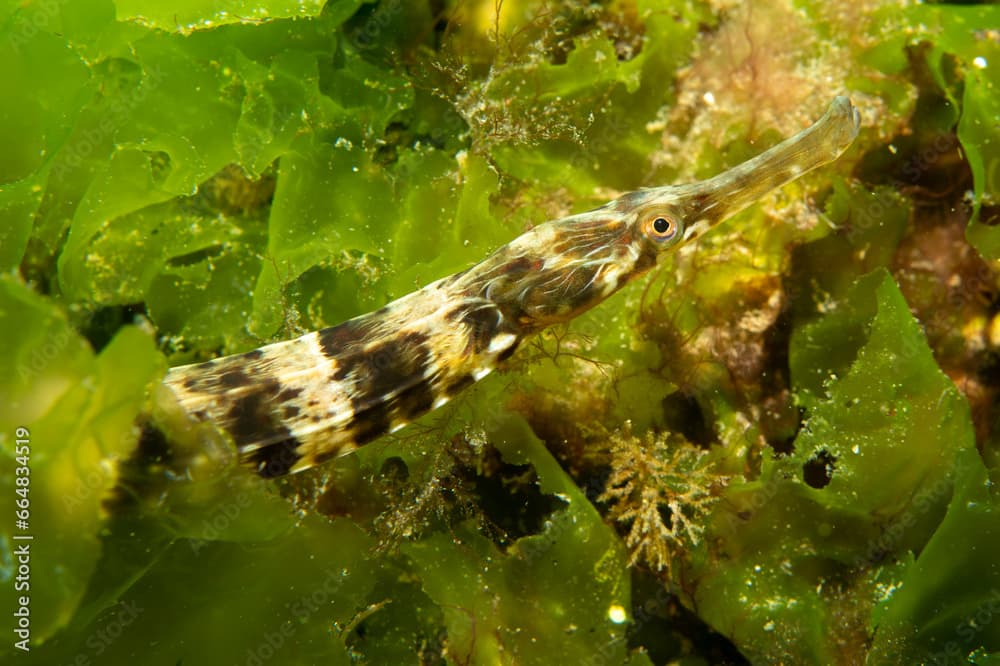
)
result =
(562, 268)
(559, 269)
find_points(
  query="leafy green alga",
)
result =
(968, 35)
(797, 570)
(238, 172)
(76, 410)
(564, 589)
(946, 606)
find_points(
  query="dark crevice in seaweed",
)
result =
(682, 414)
(818, 471)
(105, 322)
(141, 475)
(668, 632)
(989, 215)
(510, 497)
(780, 420)
(196, 257)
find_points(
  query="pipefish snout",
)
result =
(291, 405)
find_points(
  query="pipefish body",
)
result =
(291, 405)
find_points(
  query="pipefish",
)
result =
(291, 405)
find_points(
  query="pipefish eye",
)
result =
(661, 227)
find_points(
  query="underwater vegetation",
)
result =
(780, 447)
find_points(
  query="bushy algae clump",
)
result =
(662, 495)
(800, 481)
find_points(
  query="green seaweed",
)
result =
(770, 436)
(938, 611)
(799, 565)
(544, 595)
(79, 409)
(253, 621)
(974, 100)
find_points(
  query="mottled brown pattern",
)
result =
(275, 460)
(346, 338)
(481, 323)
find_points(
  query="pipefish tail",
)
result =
(291, 405)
